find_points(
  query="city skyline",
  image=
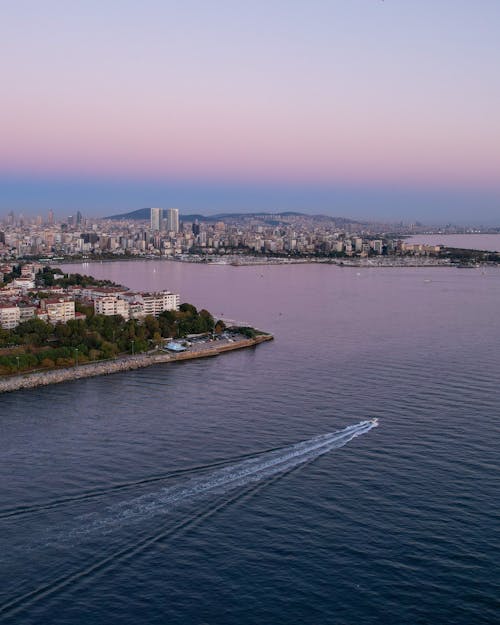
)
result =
(369, 109)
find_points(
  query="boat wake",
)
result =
(222, 480)
(232, 482)
(97, 493)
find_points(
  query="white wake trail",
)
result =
(223, 480)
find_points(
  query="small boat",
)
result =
(374, 421)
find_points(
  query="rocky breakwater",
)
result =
(125, 363)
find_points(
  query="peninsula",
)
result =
(56, 327)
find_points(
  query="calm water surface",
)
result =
(489, 242)
(200, 493)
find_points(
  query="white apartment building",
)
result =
(9, 316)
(59, 310)
(156, 303)
(143, 304)
(112, 305)
(25, 284)
(95, 292)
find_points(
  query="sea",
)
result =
(254, 487)
(484, 242)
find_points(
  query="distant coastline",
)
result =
(250, 261)
(479, 241)
(126, 363)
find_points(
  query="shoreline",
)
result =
(124, 363)
(372, 263)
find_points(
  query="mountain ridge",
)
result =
(145, 214)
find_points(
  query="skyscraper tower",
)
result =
(156, 217)
(173, 220)
(50, 219)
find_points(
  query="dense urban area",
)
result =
(49, 318)
(229, 238)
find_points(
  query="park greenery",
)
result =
(35, 344)
(53, 276)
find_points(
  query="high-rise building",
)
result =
(173, 220)
(156, 218)
(50, 219)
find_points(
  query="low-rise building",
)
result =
(25, 284)
(9, 316)
(94, 292)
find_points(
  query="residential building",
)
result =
(152, 303)
(111, 305)
(9, 316)
(59, 310)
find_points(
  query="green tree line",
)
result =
(36, 344)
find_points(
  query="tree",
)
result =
(188, 308)
(152, 325)
(220, 326)
(207, 321)
(34, 331)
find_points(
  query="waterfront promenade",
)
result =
(126, 363)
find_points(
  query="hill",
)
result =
(145, 214)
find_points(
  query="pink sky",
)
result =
(339, 92)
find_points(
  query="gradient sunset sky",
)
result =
(359, 108)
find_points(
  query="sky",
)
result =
(363, 108)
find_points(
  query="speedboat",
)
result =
(374, 421)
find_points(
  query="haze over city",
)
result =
(374, 110)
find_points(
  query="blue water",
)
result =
(229, 490)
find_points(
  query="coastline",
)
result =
(396, 262)
(125, 363)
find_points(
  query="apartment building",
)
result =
(156, 303)
(112, 305)
(9, 316)
(59, 310)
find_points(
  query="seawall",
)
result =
(124, 363)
